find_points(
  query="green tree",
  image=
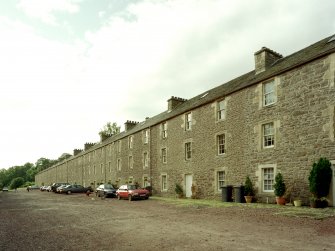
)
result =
(16, 183)
(110, 128)
(320, 178)
(279, 186)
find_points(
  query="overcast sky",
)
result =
(67, 67)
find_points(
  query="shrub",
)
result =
(279, 186)
(320, 178)
(16, 183)
(248, 187)
(178, 189)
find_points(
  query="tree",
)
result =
(320, 178)
(16, 183)
(279, 186)
(110, 129)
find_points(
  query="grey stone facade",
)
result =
(278, 118)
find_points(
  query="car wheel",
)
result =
(130, 198)
(118, 197)
(147, 197)
(68, 192)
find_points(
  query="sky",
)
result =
(67, 67)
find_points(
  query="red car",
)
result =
(131, 192)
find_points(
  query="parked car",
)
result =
(131, 192)
(55, 185)
(34, 187)
(75, 189)
(48, 189)
(106, 190)
(5, 189)
(43, 188)
(58, 189)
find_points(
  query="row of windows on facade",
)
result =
(267, 180)
(267, 129)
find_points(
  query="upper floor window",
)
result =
(268, 135)
(130, 162)
(110, 166)
(146, 136)
(221, 110)
(118, 165)
(145, 159)
(164, 159)
(220, 179)
(102, 168)
(188, 121)
(119, 146)
(221, 142)
(164, 130)
(269, 95)
(188, 150)
(268, 179)
(130, 142)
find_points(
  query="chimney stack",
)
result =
(77, 151)
(129, 125)
(88, 146)
(264, 58)
(173, 102)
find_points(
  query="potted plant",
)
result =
(319, 182)
(179, 190)
(279, 189)
(248, 190)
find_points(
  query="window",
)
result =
(110, 166)
(164, 182)
(220, 179)
(268, 179)
(221, 144)
(164, 155)
(146, 182)
(145, 159)
(119, 146)
(118, 165)
(268, 135)
(188, 121)
(94, 170)
(130, 142)
(146, 137)
(101, 168)
(221, 110)
(269, 93)
(188, 150)
(130, 162)
(164, 130)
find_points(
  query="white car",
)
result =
(5, 189)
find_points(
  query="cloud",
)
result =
(45, 9)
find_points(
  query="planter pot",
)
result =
(318, 203)
(297, 203)
(280, 201)
(248, 199)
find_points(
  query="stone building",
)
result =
(277, 118)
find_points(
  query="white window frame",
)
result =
(164, 154)
(145, 160)
(221, 144)
(146, 136)
(188, 150)
(130, 162)
(268, 135)
(267, 177)
(130, 142)
(119, 146)
(269, 94)
(164, 130)
(221, 110)
(164, 182)
(188, 121)
(118, 164)
(220, 179)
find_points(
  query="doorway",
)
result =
(332, 189)
(188, 185)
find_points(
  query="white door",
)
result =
(188, 185)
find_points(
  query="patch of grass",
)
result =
(290, 211)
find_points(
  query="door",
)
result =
(333, 183)
(188, 185)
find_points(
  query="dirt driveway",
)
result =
(47, 221)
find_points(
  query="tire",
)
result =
(146, 198)
(130, 198)
(118, 197)
(69, 192)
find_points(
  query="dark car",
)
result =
(75, 189)
(131, 192)
(106, 190)
(55, 185)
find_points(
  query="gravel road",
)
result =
(47, 221)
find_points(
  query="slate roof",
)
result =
(317, 50)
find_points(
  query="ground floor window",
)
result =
(221, 179)
(164, 182)
(268, 179)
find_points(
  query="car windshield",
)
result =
(133, 187)
(109, 186)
